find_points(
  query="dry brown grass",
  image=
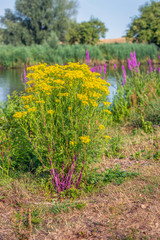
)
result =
(130, 211)
(114, 40)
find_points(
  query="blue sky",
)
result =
(116, 14)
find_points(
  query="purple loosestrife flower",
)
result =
(150, 66)
(115, 66)
(159, 69)
(100, 69)
(95, 68)
(92, 69)
(105, 68)
(25, 78)
(87, 55)
(134, 58)
(129, 64)
(132, 64)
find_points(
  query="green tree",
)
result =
(34, 20)
(62, 12)
(146, 27)
(87, 32)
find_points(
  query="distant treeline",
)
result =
(12, 57)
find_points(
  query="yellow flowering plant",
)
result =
(64, 111)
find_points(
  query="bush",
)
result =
(62, 119)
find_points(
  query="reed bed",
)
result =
(11, 57)
(122, 51)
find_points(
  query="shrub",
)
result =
(63, 115)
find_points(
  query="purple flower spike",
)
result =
(115, 66)
(95, 68)
(132, 64)
(100, 69)
(159, 69)
(92, 69)
(87, 55)
(105, 68)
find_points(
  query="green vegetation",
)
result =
(122, 51)
(63, 147)
(145, 28)
(138, 100)
(11, 56)
(86, 32)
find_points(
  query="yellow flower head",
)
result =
(101, 127)
(50, 112)
(20, 114)
(107, 111)
(85, 139)
(107, 137)
(73, 143)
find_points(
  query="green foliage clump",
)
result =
(86, 32)
(109, 175)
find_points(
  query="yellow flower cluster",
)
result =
(101, 127)
(33, 109)
(67, 87)
(64, 80)
(107, 137)
(107, 111)
(20, 114)
(85, 139)
(50, 112)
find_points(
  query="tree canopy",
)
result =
(87, 32)
(35, 20)
(146, 27)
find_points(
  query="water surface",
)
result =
(10, 80)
